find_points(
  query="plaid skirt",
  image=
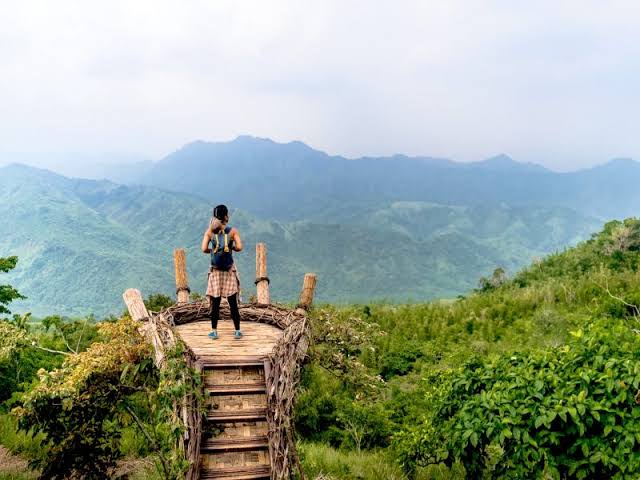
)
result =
(223, 283)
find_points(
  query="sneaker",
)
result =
(237, 334)
(214, 335)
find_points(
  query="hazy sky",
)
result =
(547, 81)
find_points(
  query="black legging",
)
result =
(215, 311)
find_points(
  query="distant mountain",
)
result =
(504, 163)
(81, 243)
(117, 167)
(293, 181)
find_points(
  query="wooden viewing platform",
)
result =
(258, 339)
(243, 431)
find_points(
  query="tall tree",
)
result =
(7, 292)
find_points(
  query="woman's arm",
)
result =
(237, 241)
(205, 241)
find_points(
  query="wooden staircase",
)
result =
(234, 441)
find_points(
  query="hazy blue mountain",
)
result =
(81, 243)
(117, 167)
(293, 181)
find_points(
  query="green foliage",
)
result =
(157, 302)
(26, 347)
(564, 408)
(17, 476)
(569, 412)
(75, 405)
(74, 335)
(336, 399)
(396, 362)
(320, 461)
(496, 383)
(497, 279)
(7, 292)
(29, 444)
(11, 338)
(85, 406)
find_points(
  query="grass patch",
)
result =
(324, 462)
(18, 442)
(16, 475)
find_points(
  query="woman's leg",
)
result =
(235, 313)
(215, 312)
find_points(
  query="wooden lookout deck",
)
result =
(257, 341)
(243, 431)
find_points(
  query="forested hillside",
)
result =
(81, 243)
(535, 376)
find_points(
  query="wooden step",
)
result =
(234, 375)
(225, 362)
(221, 460)
(237, 473)
(235, 388)
(235, 444)
(237, 415)
(232, 429)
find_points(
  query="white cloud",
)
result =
(552, 82)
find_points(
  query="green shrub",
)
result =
(569, 412)
(399, 361)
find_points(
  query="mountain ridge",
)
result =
(292, 181)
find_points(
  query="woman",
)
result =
(221, 241)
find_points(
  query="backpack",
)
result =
(221, 253)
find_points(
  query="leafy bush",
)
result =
(85, 406)
(400, 361)
(74, 405)
(569, 412)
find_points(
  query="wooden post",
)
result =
(308, 289)
(133, 299)
(262, 280)
(182, 282)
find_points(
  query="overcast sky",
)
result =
(551, 82)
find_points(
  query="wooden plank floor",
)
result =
(257, 341)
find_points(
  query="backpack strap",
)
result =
(217, 247)
(226, 241)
